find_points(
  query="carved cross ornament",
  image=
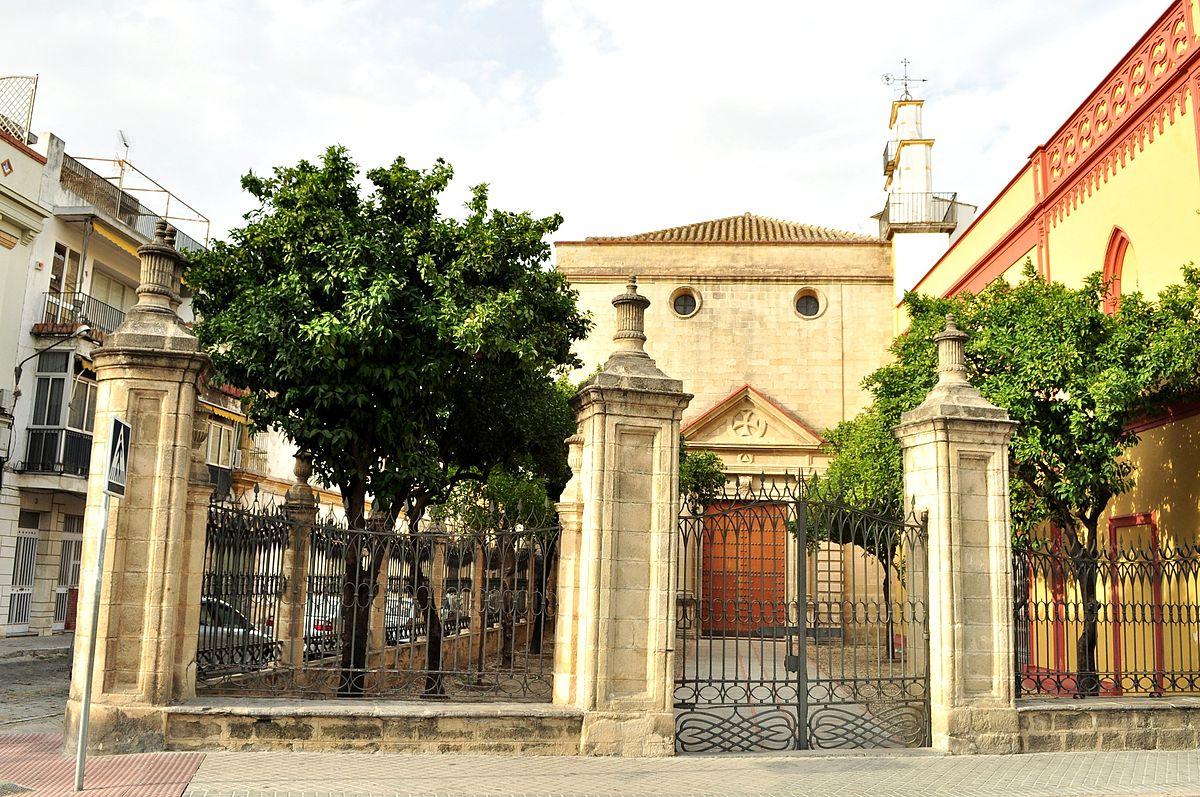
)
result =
(746, 423)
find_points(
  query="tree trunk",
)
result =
(1084, 561)
(508, 603)
(479, 608)
(364, 553)
(357, 594)
(430, 599)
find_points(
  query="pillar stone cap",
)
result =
(953, 397)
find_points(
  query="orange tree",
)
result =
(403, 350)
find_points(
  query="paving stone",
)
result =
(1091, 774)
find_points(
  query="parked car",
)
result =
(321, 624)
(400, 622)
(229, 641)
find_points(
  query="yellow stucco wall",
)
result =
(1004, 213)
(1154, 198)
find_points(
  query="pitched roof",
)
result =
(746, 228)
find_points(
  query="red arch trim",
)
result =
(1114, 263)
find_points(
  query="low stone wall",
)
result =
(1129, 723)
(397, 727)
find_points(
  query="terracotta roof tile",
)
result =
(746, 228)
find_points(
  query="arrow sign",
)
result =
(118, 458)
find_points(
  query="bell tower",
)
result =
(919, 221)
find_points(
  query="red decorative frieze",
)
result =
(1119, 152)
(1154, 61)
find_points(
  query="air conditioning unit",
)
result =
(6, 402)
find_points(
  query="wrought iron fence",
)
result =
(1121, 617)
(243, 585)
(452, 610)
(801, 622)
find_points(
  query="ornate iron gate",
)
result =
(801, 623)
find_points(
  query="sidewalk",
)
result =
(35, 762)
(922, 775)
(36, 647)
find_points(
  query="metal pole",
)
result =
(802, 621)
(86, 710)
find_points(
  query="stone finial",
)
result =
(952, 360)
(300, 492)
(953, 396)
(302, 469)
(631, 319)
(161, 267)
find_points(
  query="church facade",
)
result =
(771, 325)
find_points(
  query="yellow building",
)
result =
(1116, 188)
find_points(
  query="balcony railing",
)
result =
(929, 212)
(99, 192)
(79, 308)
(58, 450)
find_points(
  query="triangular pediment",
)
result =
(748, 418)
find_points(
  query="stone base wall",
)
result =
(1130, 723)
(527, 729)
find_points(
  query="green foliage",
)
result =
(701, 474)
(521, 494)
(1074, 378)
(404, 351)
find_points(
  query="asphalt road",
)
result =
(33, 693)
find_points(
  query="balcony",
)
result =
(931, 212)
(83, 187)
(64, 312)
(58, 450)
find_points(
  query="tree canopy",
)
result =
(402, 350)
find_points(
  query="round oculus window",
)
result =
(684, 303)
(808, 305)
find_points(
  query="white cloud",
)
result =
(624, 116)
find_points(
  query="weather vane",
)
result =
(904, 80)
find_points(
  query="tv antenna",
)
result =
(124, 143)
(904, 80)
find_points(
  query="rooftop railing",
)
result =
(94, 190)
(927, 212)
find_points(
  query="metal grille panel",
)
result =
(801, 623)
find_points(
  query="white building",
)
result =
(70, 228)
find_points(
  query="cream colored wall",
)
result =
(746, 330)
(1154, 198)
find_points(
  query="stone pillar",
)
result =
(301, 510)
(627, 487)
(570, 519)
(956, 468)
(149, 373)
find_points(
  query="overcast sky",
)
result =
(622, 116)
